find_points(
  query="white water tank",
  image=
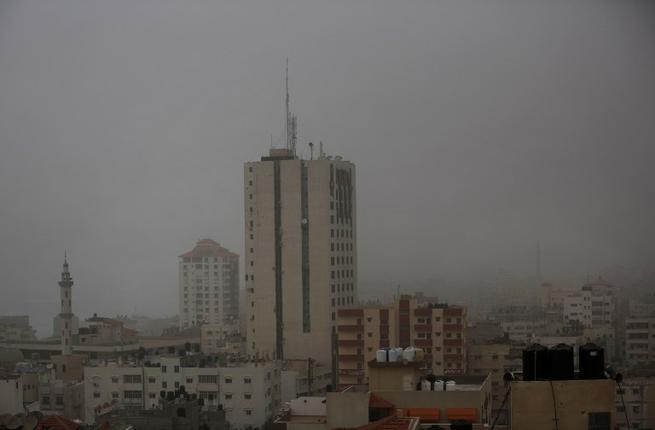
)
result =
(426, 386)
(409, 354)
(393, 355)
(450, 385)
(381, 356)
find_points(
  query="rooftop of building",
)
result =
(208, 248)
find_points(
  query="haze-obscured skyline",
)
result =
(477, 129)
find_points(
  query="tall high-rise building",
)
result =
(300, 247)
(209, 285)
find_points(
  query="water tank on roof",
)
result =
(409, 354)
(591, 361)
(560, 361)
(393, 355)
(535, 363)
(381, 356)
(426, 385)
(450, 385)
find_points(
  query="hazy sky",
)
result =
(478, 128)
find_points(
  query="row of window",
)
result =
(346, 259)
(341, 246)
(343, 273)
(343, 287)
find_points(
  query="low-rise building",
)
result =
(248, 392)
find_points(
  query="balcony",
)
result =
(453, 357)
(351, 372)
(353, 343)
(452, 327)
(351, 357)
(423, 328)
(356, 313)
(423, 343)
(350, 328)
(423, 312)
(452, 342)
(452, 312)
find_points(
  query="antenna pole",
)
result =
(288, 120)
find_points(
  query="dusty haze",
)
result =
(477, 128)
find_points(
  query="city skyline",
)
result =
(112, 175)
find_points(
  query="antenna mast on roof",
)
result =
(291, 123)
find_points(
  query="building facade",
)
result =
(639, 340)
(438, 329)
(209, 285)
(248, 392)
(300, 252)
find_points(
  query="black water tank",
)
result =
(592, 361)
(560, 360)
(535, 363)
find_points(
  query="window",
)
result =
(247, 396)
(207, 379)
(163, 369)
(228, 396)
(115, 395)
(189, 380)
(59, 401)
(247, 411)
(96, 395)
(599, 421)
(132, 395)
(114, 379)
(131, 379)
(247, 380)
(164, 384)
(228, 379)
(176, 369)
(152, 395)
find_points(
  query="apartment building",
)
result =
(16, 328)
(300, 251)
(361, 331)
(208, 285)
(438, 329)
(248, 392)
(635, 404)
(493, 359)
(639, 340)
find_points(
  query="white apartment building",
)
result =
(249, 392)
(639, 340)
(593, 306)
(300, 247)
(209, 285)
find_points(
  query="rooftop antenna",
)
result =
(291, 124)
(321, 154)
(311, 151)
(288, 123)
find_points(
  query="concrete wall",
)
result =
(346, 410)
(11, 395)
(532, 403)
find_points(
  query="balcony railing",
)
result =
(351, 357)
(423, 328)
(350, 328)
(353, 343)
(452, 342)
(452, 327)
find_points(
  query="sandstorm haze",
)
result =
(477, 128)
